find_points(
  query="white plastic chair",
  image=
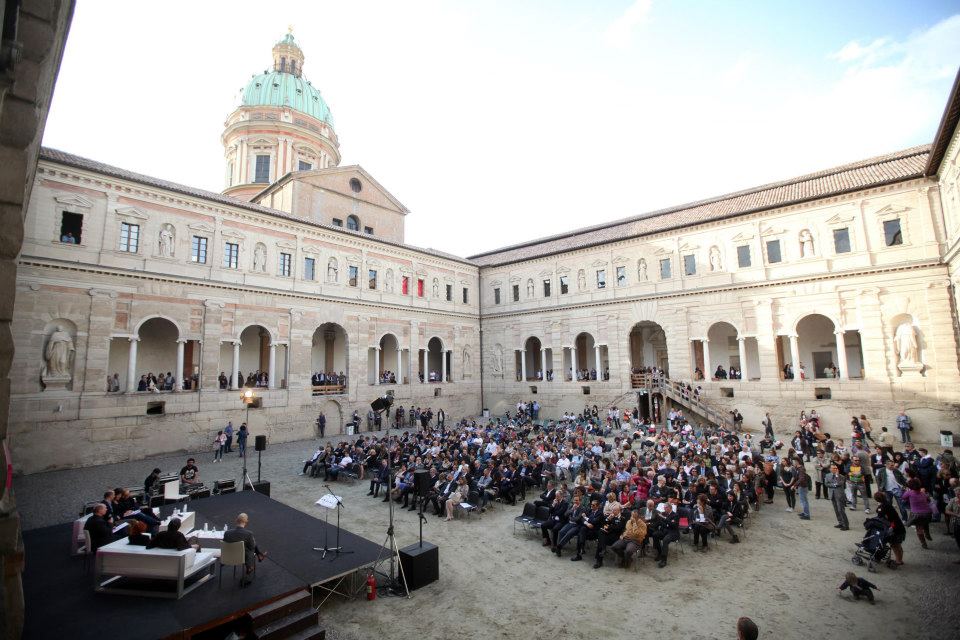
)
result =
(232, 554)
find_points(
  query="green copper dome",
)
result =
(281, 89)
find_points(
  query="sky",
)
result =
(501, 121)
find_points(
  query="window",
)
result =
(841, 240)
(743, 256)
(262, 173)
(354, 275)
(621, 276)
(309, 269)
(690, 265)
(891, 232)
(304, 166)
(405, 285)
(284, 265)
(496, 295)
(71, 227)
(355, 185)
(129, 237)
(337, 222)
(449, 293)
(353, 223)
(368, 231)
(564, 285)
(773, 251)
(372, 277)
(466, 296)
(516, 292)
(665, 269)
(601, 278)
(231, 255)
(198, 249)
(546, 288)
(419, 287)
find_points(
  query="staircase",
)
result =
(675, 391)
(290, 618)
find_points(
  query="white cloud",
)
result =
(619, 33)
(853, 51)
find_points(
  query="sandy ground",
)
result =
(499, 585)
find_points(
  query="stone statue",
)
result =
(530, 288)
(806, 244)
(436, 288)
(466, 362)
(498, 359)
(332, 270)
(905, 341)
(715, 259)
(642, 270)
(582, 280)
(58, 354)
(388, 281)
(166, 241)
(260, 257)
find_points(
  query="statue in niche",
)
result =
(806, 244)
(436, 288)
(260, 257)
(642, 270)
(582, 280)
(715, 264)
(905, 342)
(332, 270)
(466, 362)
(388, 281)
(58, 354)
(498, 359)
(166, 241)
(530, 288)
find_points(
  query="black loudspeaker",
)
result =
(259, 487)
(380, 404)
(260, 443)
(421, 482)
(203, 493)
(421, 565)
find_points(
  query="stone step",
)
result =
(289, 625)
(293, 603)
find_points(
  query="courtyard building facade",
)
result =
(145, 307)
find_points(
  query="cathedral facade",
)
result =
(297, 282)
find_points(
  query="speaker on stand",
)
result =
(260, 444)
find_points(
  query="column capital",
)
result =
(182, 341)
(839, 332)
(134, 338)
(741, 338)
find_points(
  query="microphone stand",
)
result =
(337, 549)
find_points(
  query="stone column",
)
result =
(376, 365)
(132, 378)
(841, 356)
(596, 351)
(543, 363)
(399, 370)
(272, 375)
(707, 365)
(426, 372)
(573, 363)
(742, 344)
(234, 383)
(523, 365)
(443, 365)
(178, 381)
(795, 357)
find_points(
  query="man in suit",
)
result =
(555, 521)
(611, 527)
(666, 530)
(240, 533)
(592, 520)
(101, 533)
(573, 521)
(546, 498)
(438, 498)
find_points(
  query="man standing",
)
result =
(768, 426)
(240, 533)
(322, 423)
(242, 439)
(802, 481)
(441, 418)
(837, 484)
(903, 424)
(228, 431)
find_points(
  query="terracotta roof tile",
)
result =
(892, 167)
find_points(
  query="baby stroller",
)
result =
(874, 548)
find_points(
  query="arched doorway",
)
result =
(585, 360)
(328, 358)
(155, 354)
(648, 347)
(386, 363)
(260, 362)
(813, 352)
(530, 360)
(723, 350)
(433, 368)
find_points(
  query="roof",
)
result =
(282, 89)
(349, 168)
(948, 126)
(864, 174)
(78, 162)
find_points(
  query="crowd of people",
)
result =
(591, 374)
(322, 378)
(254, 379)
(153, 383)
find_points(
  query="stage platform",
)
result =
(61, 602)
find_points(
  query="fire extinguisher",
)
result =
(371, 587)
